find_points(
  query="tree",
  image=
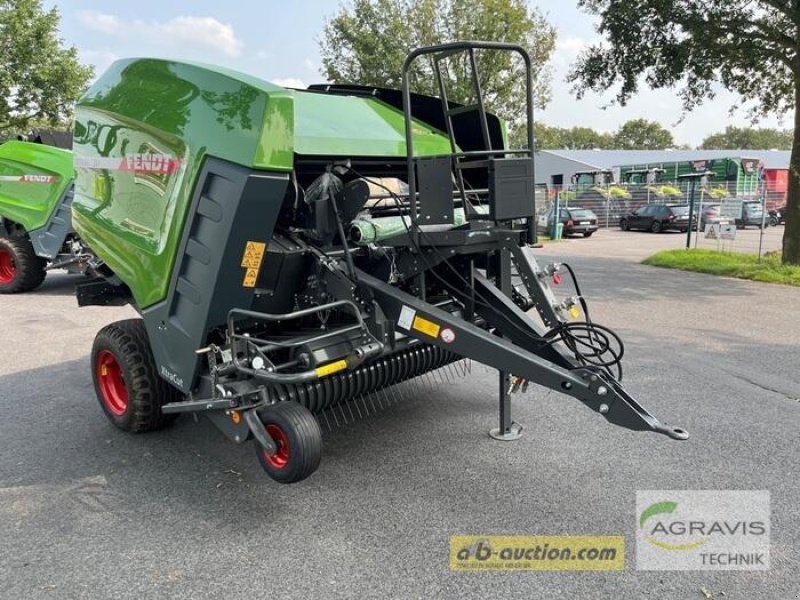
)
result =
(367, 42)
(748, 138)
(638, 134)
(545, 137)
(40, 79)
(641, 134)
(574, 138)
(751, 47)
(586, 138)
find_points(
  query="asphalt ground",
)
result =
(629, 245)
(87, 511)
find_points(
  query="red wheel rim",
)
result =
(280, 458)
(113, 391)
(8, 270)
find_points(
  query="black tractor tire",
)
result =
(656, 227)
(587, 234)
(126, 380)
(20, 269)
(299, 439)
(623, 224)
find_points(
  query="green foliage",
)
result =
(574, 138)
(637, 134)
(641, 134)
(567, 196)
(748, 138)
(666, 191)
(717, 193)
(729, 264)
(40, 79)
(367, 41)
(611, 191)
(618, 192)
(748, 46)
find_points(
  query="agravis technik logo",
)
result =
(702, 530)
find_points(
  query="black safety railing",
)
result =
(440, 53)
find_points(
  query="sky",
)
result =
(279, 41)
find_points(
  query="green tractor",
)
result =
(36, 235)
(293, 252)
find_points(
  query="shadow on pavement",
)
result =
(58, 283)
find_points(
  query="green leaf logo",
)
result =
(659, 508)
(656, 509)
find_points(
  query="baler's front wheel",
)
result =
(20, 269)
(126, 380)
(298, 438)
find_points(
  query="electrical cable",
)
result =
(597, 340)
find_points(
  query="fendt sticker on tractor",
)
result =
(293, 252)
(36, 234)
(160, 164)
(30, 178)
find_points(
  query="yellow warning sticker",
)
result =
(251, 260)
(427, 327)
(250, 278)
(331, 368)
(253, 255)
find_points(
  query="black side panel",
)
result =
(510, 188)
(232, 206)
(48, 240)
(435, 181)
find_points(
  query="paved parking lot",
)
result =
(87, 511)
(638, 245)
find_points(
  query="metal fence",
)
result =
(611, 203)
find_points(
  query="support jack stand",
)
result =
(509, 430)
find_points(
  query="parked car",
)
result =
(711, 214)
(777, 216)
(657, 218)
(752, 215)
(576, 221)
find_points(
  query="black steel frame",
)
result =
(442, 52)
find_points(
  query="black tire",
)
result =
(128, 386)
(587, 234)
(623, 224)
(299, 439)
(656, 227)
(20, 269)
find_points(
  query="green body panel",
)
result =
(145, 127)
(142, 132)
(33, 179)
(356, 126)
